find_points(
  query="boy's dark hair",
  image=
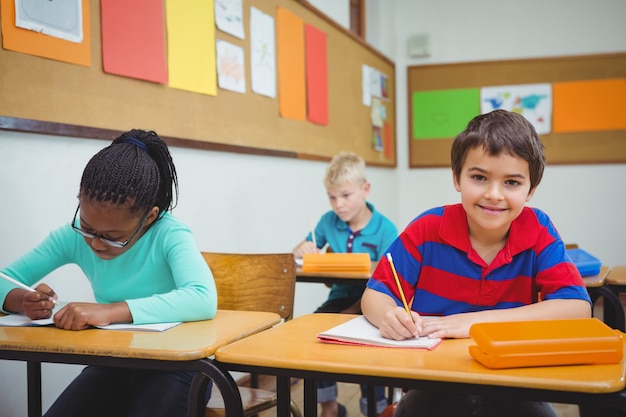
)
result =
(136, 169)
(498, 132)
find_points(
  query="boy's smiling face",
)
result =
(494, 190)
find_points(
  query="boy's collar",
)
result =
(523, 232)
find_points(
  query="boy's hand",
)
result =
(452, 326)
(305, 247)
(397, 325)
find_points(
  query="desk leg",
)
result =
(310, 398)
(223, 381)
(33, 377)
(283, 393)
(371, 401)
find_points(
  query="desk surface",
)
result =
(187, 341)
(293, 346)
(597, 280)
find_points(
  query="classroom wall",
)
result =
(246, 203)
(584, 201)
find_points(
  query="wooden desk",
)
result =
(186, 347)
(617, 278)
(291, 350)
(337, 277)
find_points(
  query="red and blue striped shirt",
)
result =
(442, 274)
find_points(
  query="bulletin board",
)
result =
(561, 148)
(47, 96)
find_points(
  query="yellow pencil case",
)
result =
(336, 262)
(545, 343)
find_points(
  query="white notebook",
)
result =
(20, 320)
(361, 332)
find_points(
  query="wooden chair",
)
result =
(253, 282)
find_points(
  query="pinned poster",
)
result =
(291, 76)
(62, 19)
(443, 113)
(230, 67)
(34, 43)
(229, 17)
(316, 75)
(533, 101)
(191, 46)
(262, 53)
(595, 105)
(132, 50)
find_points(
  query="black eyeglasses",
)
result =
(113, 243)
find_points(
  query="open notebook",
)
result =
(21, 320)
(360, 332)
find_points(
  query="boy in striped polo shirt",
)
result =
(489, 258)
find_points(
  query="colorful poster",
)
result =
(231, 72)
(443, 113)
(62, 19)
(191, 46)
(132, 50)
(35, 43)
(584, 106)
(533, 101)
(262, 53)
(229, 17)
(291, 76)
(316, 75)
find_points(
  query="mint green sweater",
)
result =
(162, 277)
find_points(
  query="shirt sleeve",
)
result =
(50, 254)
(194, 296)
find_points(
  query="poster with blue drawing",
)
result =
(533, 101)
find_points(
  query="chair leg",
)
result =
(295, 410)
(613, 309)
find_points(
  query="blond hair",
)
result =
(345, 167)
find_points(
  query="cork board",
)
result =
(561, 148)
(52, 97)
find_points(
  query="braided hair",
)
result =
(135, 170)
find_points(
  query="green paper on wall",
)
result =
(443, 113)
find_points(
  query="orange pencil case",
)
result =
(545, 343)
(336, 262)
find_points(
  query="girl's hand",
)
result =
(80, 316)
(397, 325)
(38, 305)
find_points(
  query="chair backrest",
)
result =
(254, 282)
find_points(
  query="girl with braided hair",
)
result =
(142, 263)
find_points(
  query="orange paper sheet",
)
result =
(583, 106)
(133, 50)
(38, 44)
(291, 79)
(316, 75)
